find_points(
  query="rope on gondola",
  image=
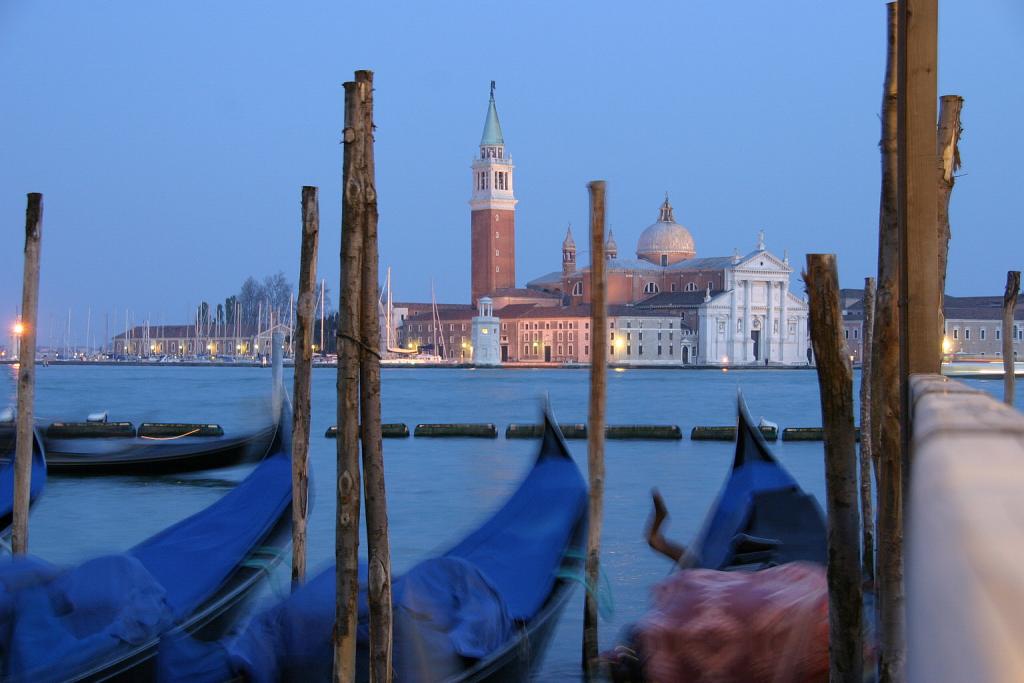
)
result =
(171, 438)
(265, 558)
(603, 593)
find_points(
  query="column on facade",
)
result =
(730, 337)
(769, 316)
(783, 320)
(747, 326)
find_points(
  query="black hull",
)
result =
(138, 456)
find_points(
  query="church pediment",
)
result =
(760, 261)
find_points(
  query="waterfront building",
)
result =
(973, 326)
(190, 340)
(740, 307)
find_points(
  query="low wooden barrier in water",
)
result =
(807, 434)
(90, 430)
(389, 430)
(728, 433)
(528, 430)
(168, 430)
(644, 432)
(479, 430)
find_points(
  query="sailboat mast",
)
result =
(323, 313)
(387, 313)
(437, 323)
(88, 325)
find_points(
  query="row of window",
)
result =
(428, 327)
(1018, 333)
(640, 336)
(569, 325)
(640, 349)
(629, 324)
(649, 288)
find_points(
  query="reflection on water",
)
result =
(438, 489)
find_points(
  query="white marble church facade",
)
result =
(755, 319)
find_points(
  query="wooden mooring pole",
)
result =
(26, 373)
(1009, 364)
(948, 142)
(867, 461)
(835, 384)
(346, 540)
(302, 352)
(596, 420)
(885, 377)
(374, 492)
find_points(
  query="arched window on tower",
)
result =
(651, 288)
(691, 287)
(577, 289)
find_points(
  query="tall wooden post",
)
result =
(948, 154)
(26, 373)
(918, 200)
(302, 352)
(346, 539)
(1009, 303)
(885, 377)
(378, 547)
(835, 383)
(596, 422)
(867, 460)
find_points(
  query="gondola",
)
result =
(762, 517)
(141, 454)
(38, 480)
(483, 611)
(103, 619)
(760, 520)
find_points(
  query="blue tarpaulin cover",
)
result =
(450, 610)
(57, 621)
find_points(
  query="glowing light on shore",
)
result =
(19, 328)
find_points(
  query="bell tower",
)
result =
(493, 211)
(568, 253)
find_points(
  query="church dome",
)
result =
(665, 242)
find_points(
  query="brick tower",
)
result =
(493, 207)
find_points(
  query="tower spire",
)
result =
(492, 128)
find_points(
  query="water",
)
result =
(438, 489)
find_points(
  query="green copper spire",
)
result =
(492, 129)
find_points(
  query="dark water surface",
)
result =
(438, 489)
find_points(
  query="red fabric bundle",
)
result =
(710, 626)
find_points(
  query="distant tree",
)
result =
(229, 310)
(258, 298)
(249, 299)
(278, 292)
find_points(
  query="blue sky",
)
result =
(171, 140)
